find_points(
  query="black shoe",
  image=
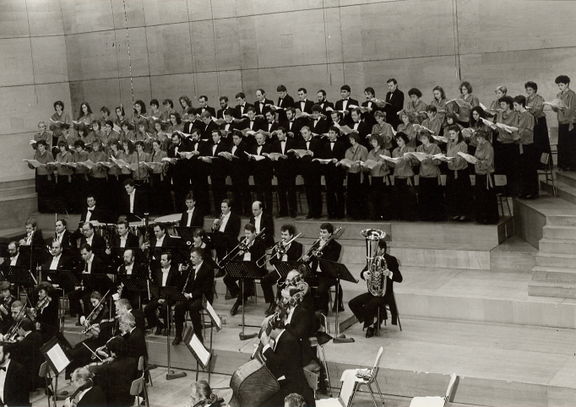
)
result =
(366, 325)
(271, 309)
(177, 340)
(234, 309)
(230, 296)
(369, 332)
(159, 329)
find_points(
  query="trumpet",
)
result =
(240, 247)
(316, 250)
(278, 248)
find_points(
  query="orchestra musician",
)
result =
(63, 236)
(45, 310)
(164, 275)
(225, 229)
(59, 268)
(251, 248)
(367, 306)
(26, 351)
(327, 248)
(92, 212)
(86, 393)
(121, 242)
(33, 243)
(134, 202)
(14, 384)
(192, 217)
(160, 243)
(198, 285)
(14, 261)
(131, 270)
(5, 306)
(287, 250)
(202, 396)
(262, 221)
(96, 242)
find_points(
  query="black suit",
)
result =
(94, 397)
(140, 205)
(115, 378)
(369, 116)
(284, 103)
(304, 106)
(396, 103)
(16, 386)
(260, 107)
(207, 129)
(365, 306)
(169, 244)
(226, 240)
(139, 275)
(293, 253)
(310, 170)
(294, 127)
(330, 252)
(67, 242)
(201, 285)
(240, 110)
(303, 325)
(256, 250)
(262, 172)
(320, 126)
(35, 251)
(98, 214)
(266, 222)
(132, 243)
(210, 109)
(285, 360)
(98, 245)
(217, 170)
(334, 177)
(136, 343)
(197, 220)
(286, 177)
(239, 170)
(339, 105)
(174, 279)
(27, 353)
(198, 174)
(363, 130)
(220, 112)
(325, 106)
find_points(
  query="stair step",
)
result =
(559, 232)
(564, 191)
(567, 177)
(554, 274)
(557, 246)
(555, 260)
(552, 289)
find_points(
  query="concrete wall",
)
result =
(33, 73)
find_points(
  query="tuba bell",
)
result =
(375, 264)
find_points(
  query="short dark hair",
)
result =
(393, 80)
(327, 227)
(59, 103)
(370, 90)
(415, 91)
(403, 136)
(520, 99)
(224, 98)
(154, 102)
(562, 79)
(322, 91)
(130, 182)
(346, 88)
(288, 228)
(302, 90)
(240, 95)
(532, 85)
(508, 100)
(281, 88)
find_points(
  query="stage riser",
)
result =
(556, 290)
(529, 222)
(560, 232)
(566, 177)
(467, 259)
(512, 261)
(562, 220)
(557, 246)
(564, 191)
(471, 391)
(15, 210)
(486, 310)
(561, 261)
(554, 275)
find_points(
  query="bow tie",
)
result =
(3, 368)
(90, 210)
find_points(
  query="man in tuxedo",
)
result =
(27, 351)
(63, 236)
(271, 124)
(124, 307)
(15, 260)
(216, 166)
(92, 212)
(198, 171)
(203, 101)
(161, 242)
(241, 105)
(192, 120)
(318, 123)
(239, 171)
(285, 173)
(284, 101)
(166, 275)
(344, 104)
(252, 123)
(394, 103)
(286, 251)
(32, 245)
(208, 126)
(89, 395)
(293, 125)
(311, 173)
(371, 107)
(365, 306)
(14, 382)
(360, 127)
(334, 150)
(323, 103)
(96, 242)
(223, 100)
(121, 241)
(261, 102)
(134, 203)
(181, 170)
(303, 104)
(263, 221)
(262, 170)
(192, 217)
(6, 301)
(227, 229)
(133, 335)
(198, 284)
(59, 269)
(132, 270)
(230, 124)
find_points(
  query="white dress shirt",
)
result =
(123, 240)
(88, 268)
(132, 197)
(14, 260)
(190, 214)
(225, 219)
(257, 222)
(165, 272)
(160, 241)
(89, 214)
(129, 269)
(54, 262)
(3, 379)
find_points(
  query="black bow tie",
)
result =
(3, 368)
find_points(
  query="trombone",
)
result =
(278, 248)
(316, 250)
(242, 246)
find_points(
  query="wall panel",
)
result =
(203, 46)
(135, 38)
(92, 55)
(165, 11)
(172, 86)
(15, 62)
(13, 19)
(49, 55)
(169, 49)
(45, 17)
(87, 16)
(134, 13)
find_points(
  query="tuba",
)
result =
(376, 265)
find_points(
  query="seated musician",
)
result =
(160, 243)
(365, 306)
(115, 374)
(95, 241)
(134, 202)
(198, 284)
(14, 384)
(92, 212)
(33, 238)
(327, 249)
(13, 260)
(250, 250)
(226, 229)
(134, 336)
(263, 220)
(131, 270)
(86, 393)
(5, 306)
(122, 241)
(27, 351)
(164, 275)
(58, 268)
(124, 307)
(282, 355)
(287, 250)
(63, 236)
(192, 217)
(202, 396)
(46, 311)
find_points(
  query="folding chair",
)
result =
(548, 172)
(438, 401)
(138, 386)
(500, 183)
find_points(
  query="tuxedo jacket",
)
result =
(169, 244)
(315, 146)
(319, 127)
(286, 102)
(339, 105)
(98, 214)
(190, 126)
(261, 107)
(132, 242)
(285, 360)
(98, 245)
(220, 112)
(139, 271)
(276, 146)
(209, 109)
(200, 284)
(239, 111)
(396, 103)
(27, 353)
(330, 252)
(363, 130)
(302, 326)
(174, 277)
(197, 218)
(394, 267)
(16, 386)
(337, 151)
(325, 105)
(232, 229)
(295, 126)
(115, 378)
(140, 204)
(94, 397)
(293, 253)
(207, 129)
(68, 241)
(306, 104)
(266, 222)
(136, 343)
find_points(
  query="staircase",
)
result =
(554, 274)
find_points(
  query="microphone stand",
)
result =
(170, 374)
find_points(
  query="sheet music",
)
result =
(58, 357)
(213, 315)
(200, 350)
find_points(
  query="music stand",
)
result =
(243, 270)
(284, 267)
(340, 272)
(57, 360)
(171, 295)
(136, 285)
(187, 234)
(21, 277)
(202, 355)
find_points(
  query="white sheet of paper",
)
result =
(213, 315)
(203, 354)
(58, 357)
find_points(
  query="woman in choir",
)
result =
(433, 121)
(467, 95)
(128, 154)
(59, 125)
(42, 134)
(120, 115)
(494, 107)
(404, 191)
(127, 133)
(161, 135)
(185, 104)
(486, 205)
(140, 118)
(506, 149)
(114, 173)
(96, 130)
(64, 174)
(98, 173)
(407, 127)
(155, 112)
(168, 106)
(475, 124)
(85, 117)
(80, 178)
(175, 123)
(466, 101)
(355, 188)
(141, 173)
(44, 185)
(439, 102)
(528, 165)
(142, 135)
(566, 123)
(535, 105)
(105, 115)
(85, 135)
(458, 190)
(159, 181)
(430, 197)
(379, 191)
(416, 106)
(383, 129)
(449, 121)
